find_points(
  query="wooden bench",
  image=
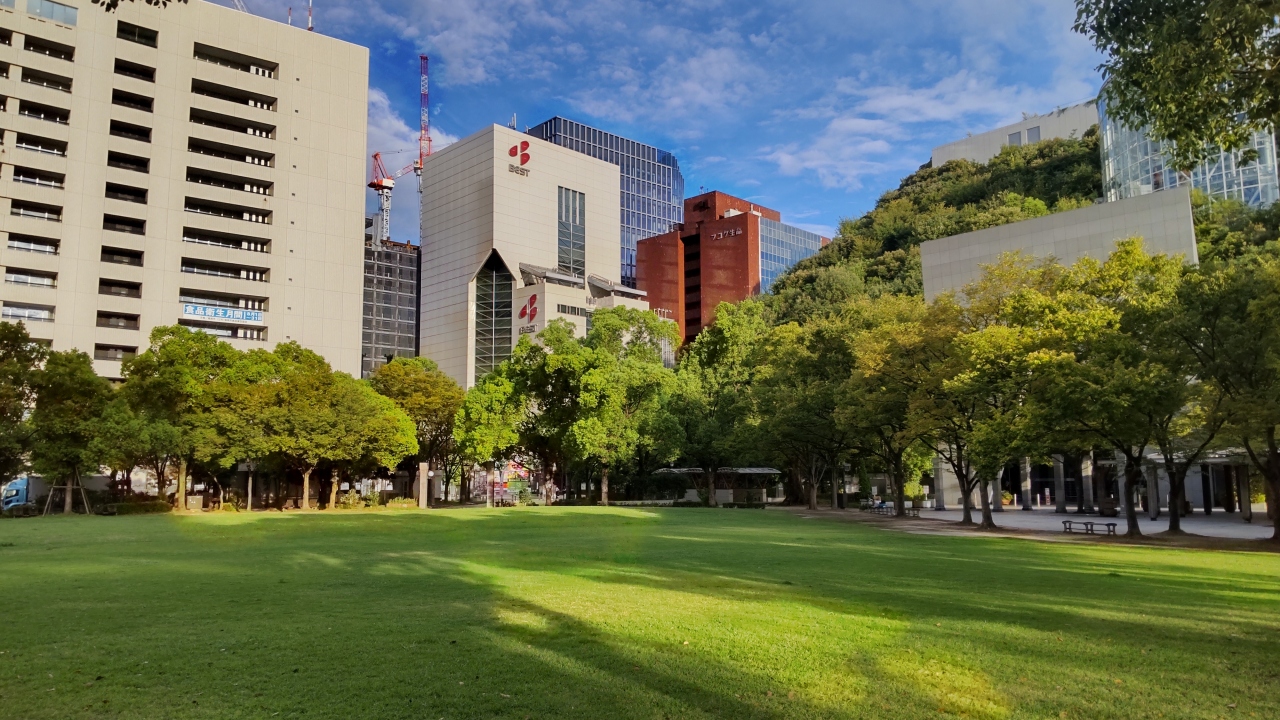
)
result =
(1088, 526)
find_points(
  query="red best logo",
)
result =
(530, 309)
(521, 151)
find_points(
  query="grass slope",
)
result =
(585, 613)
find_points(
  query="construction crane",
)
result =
(384, 182)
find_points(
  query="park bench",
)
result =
(890, 510)
(1088, 526)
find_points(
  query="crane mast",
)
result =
(384, 182)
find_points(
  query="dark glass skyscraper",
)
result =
(652, 186)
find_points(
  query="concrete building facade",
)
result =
(188, 164)
(728, 249)
(1163, 220)
(651, 200)
(516, 231)
(1065, 122)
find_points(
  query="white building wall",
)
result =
(1066, 122)
(473, 203)
(314, 290)
(1162, 219)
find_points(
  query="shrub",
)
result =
(1007, 497)
(350, 500)
(525, 497)
(913, 490)
(402, 503)
(142, 508)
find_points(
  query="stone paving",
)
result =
(1219, 524)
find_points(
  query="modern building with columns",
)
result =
(1091, 482)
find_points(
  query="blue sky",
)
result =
(813, 108)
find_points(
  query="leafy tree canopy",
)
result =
(1197, 73)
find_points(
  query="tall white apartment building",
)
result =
(182, 164)
(516, 231)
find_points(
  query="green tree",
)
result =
(1198, 73)
(70, 400)
(712, 400)
(242, 402)
(20, 361)
(168, 386)
(1107, 375)
(305, 425)
(889, 355)
(485, 426)
(371, 431)
(799, 400)
(622, 386)
(120, 439)
(429, 397)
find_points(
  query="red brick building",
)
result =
(727, 250)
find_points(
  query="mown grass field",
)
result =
(617, 613)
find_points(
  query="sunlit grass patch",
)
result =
(619, 612)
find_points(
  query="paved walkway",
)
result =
(1219, 524)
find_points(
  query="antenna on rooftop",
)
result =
(512, 124)
(290, 17)
(310, 27)
(240, 6)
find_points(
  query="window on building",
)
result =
(132, 100)
(1015, 139)
(120, 288)
(48, 47)
(32, 176)
(494, 285)
(135, 71)
(1033, 135)
(54, 11)
(113, 352)
(126, 193)
(14, 312)
(116, 223)
(130, 131)
(137, 34)
(32, 243)
(121, 256)
(572, 233)
(120, 321)
(34, 278)
(128, 162)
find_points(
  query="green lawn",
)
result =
(594, 613)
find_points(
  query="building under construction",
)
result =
(390, 301)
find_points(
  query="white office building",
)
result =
(185, 163)
(516, 231)
(1065, 122)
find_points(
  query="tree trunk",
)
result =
(988, 522)
(180, 495)
(835, 497)
(711, 488)
(966, 503)
(306, 489)
(1132, 474)
(811, 494)
(67, 501)
(1177, 491)
(604, 486)
(333, 493)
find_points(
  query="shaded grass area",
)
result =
(626, 613)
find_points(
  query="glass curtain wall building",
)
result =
(652, 200)
(1134, 164)
(782, 246)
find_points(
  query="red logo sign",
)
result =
(530, 309)
(521, 151)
